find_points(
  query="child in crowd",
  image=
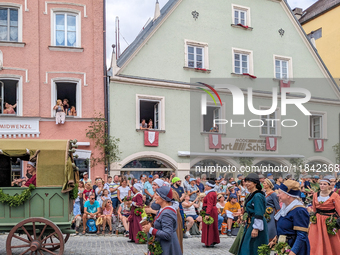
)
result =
(87, 191)
(60, 112)
(107, 210)
(72, 111)
(105, 196)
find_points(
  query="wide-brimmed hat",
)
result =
(291, 188)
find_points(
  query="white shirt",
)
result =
(322, 199)
(189, 210)
(123, 192)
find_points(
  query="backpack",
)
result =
(91, 226)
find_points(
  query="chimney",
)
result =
(297, 12)
(157, 11)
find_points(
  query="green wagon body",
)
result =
(45, 202)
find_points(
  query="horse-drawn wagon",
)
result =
(38, 218)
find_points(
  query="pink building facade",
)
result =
(51, 50)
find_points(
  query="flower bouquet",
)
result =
(267, 214)
(141, 237)
(154, 247)
(282, 249)
(331, 225)
(138, 211)
(127, 198)
(264, 249)
(209, 221)
(312, 216)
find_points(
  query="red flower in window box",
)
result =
(239, 24)
(251, 76)
(201, 69)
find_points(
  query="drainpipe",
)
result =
(106, 99)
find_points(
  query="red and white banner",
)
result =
(215, 141)
(271, 143)
(284, 84)
(319, 144)
(151, 138)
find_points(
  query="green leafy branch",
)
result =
(107, 145)
(17, 199)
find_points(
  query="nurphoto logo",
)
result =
(238, 105)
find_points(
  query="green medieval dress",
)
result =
(255, 207)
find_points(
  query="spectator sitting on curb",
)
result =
(123, 214)
(107, 210)
(231, 211)
(77, 213)
(91, 211)
(189, 210)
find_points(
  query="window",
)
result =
(9, 24)
(213, 113)
(269, 127)
(281, 69)
(317, 34)
(150, 109)
(8, 96)
(16, 168)
(241, 63)
(69, 90)
(195, 57)
(240, 15)
(66, 31)
(83, 165)
(316, 126)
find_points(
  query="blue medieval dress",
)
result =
(273, 203)
(295, 226)
(165, 226)
(255, 207)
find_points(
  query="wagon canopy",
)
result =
(54, 166)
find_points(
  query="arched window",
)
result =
(146, 166)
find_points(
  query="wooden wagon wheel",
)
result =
(33, 242)
(55, 247)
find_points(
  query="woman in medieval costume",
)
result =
(292, 220)
(137, 202)
(165, 223)
(154, 208)
(210, 234)
(325, 204)
(273, 206)
(255, 231)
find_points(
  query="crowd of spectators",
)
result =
(112, 200)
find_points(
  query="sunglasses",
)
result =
(109, 202)
(92, 198)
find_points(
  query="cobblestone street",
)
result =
(111, 244)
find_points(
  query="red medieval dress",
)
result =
(322, 243)
(210, 235)
(135, 226)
